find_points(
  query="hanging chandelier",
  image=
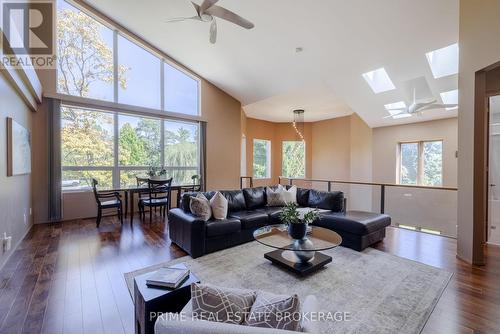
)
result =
(298, 123)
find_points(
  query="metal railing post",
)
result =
(382, 198)
(329, 185)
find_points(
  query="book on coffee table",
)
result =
(168, 277)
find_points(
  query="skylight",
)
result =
(443, 62)
(379, 80)
(450, 97)
(395, 105)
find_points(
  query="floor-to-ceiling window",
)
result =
(97, 62)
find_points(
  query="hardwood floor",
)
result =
(68, 278)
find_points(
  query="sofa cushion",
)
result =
(290, 195)
(235, 199)
(255, 197)
(186, 199)
(274, 311)
(328, 200)
(302, 197)
(200, 207)
(219, 205)
(251, 219)
(222, 227)
(221, 304)
(275, 197)
(355, 222)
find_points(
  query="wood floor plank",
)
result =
(68, 278)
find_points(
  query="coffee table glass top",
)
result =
(277, 236)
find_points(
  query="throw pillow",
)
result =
(200, 207)
(290, 195)
(275, 311)
(275, 196)
(221, 304)
(219, 205)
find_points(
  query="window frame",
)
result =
(268, 159)
(117, 30)
(117, 168)
(282, 158)
(420, 162)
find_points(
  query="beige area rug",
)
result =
(381, 292)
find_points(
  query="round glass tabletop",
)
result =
(277, 236)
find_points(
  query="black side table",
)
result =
(151, 302)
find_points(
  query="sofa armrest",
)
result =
(187, 231)
(309, 312)
(170, 324)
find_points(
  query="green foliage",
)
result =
(290, 214)
(260, 156)
(433, 163)
(294, 159)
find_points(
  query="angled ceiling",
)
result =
(341, 40)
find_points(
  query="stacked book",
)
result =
(169, 278)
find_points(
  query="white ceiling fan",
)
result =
(418, 107)
(208, 11)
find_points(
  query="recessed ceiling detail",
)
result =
(379, 80)
(444, 61)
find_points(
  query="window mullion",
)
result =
(115, 66)
(116, 170)
(420, 165)
(162, 143)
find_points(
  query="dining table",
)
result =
(130, 191)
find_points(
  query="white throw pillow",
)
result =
(219, 206)
(275, 197)
(290, 195)
(200, 207)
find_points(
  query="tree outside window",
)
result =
(421, 163)
(293, 159)
(261, 159)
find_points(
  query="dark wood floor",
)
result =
(68, 278)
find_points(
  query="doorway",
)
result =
(493, 236)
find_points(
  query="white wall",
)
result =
(15, 191)
(479, 48)
(424, 208)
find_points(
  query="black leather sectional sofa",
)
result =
(247, 211)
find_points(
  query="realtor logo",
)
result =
(28, 33)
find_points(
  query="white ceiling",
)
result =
(341, 40)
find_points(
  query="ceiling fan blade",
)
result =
(397, 109)
(433, 106)
(179, 19)
(213, 32)
(450, 105)
(196, 7)
(228, 15)
(206, 5)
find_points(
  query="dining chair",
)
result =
(159, 197)
(106, 200)
(142, 182)
(195, 186)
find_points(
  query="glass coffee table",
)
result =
(300, 256)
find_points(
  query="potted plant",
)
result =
(297, 225)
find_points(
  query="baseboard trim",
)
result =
(16, 246)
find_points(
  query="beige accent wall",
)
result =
(479, 48)
(431, 209)
(276, 133)
(386, 140)
(15, 191)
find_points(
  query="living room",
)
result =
(330, 171)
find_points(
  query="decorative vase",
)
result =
(297, 230)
